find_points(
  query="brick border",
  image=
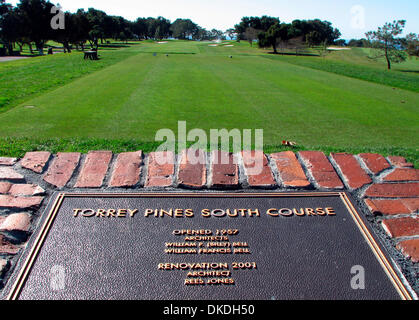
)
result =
(387, 188)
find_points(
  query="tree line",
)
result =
(271, 33)
(299, 34)
(29, 22)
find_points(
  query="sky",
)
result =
(352, 17)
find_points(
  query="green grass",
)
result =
(122, 106)
(17, 147)
(359, 66)
(24, 79)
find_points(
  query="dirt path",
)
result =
(4, 59)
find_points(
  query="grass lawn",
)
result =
(121, 106)
(356, 64)
(22, 79)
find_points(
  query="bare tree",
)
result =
(251, 34)
(297, 44)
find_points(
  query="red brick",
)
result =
(225, 171)
(257, 169)
(321, 169)
(290, 170)
(9, 174)
(387, 207)
(402, 174)
(192, 169)
(127, 170)
(393, 190)
(11, 202)
(5, 187)
(4, 161)
(62, 168)
(355, 176)
(26, 190)
(376, 163)
(401, 227)
(17, 222)
(399, 162)
(412, 204)
(36, 161)
(410, 248)
(6, 247)
(94, 169)
(161, 168)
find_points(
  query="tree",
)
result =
(122, 29)
(297, 44)
(313, 38)
(231, 33)
(258, 23)
(4, 7)
(140, 28)
(216, 34)
(340, 42)
(158, 28)
(201, 34)
(315, 32)
(183, 29)
(361, 43)
(127, 33)
(12, 27)
(273, 36)
(325, 32)
(251, 34)
(265, 22)
(67, 35)
(36, 14)
(412, 44)
(272, 33)
(81, 29)
(97, 26)
(386, 44)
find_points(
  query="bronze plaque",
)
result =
(204, 246)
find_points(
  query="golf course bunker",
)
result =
(338, 49)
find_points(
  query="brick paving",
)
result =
(322, 170)
(388, 186)
(127, 170)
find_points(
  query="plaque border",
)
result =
(359, 222)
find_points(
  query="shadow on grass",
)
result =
(163, 53)
(303, 54)
(113, 45)
(28, 55)
(409, 71)
(108, 49)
